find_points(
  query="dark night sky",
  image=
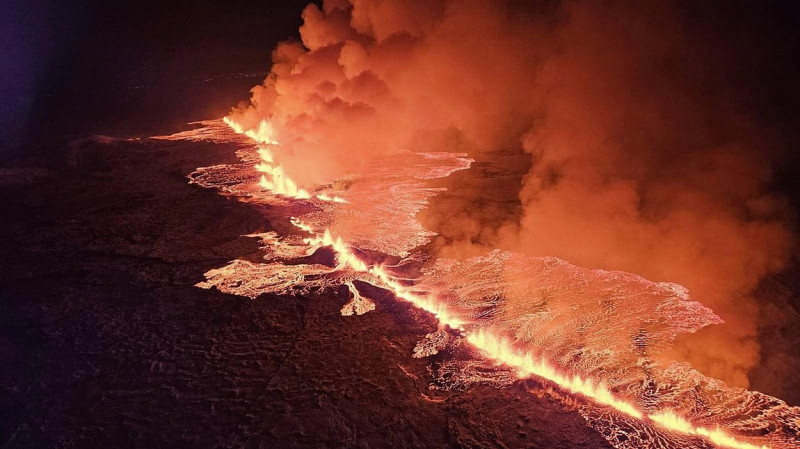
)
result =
(133, 68)
(70, 57)
(79, 66)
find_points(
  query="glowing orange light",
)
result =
(502, 351)
(492, 345)
(274, 179)
(672, 421)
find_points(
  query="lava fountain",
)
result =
(631, 169)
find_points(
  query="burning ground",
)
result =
(590, 156)
(107, 342)
(601, 336)
(629, 168)
(654, 134)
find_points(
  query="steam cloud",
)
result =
(646, 152)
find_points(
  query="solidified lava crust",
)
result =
(106, 342)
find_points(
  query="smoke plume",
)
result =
(640, 126)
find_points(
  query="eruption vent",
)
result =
(599, 335)
(638, 158)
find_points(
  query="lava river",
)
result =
(596, 337)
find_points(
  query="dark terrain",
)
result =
(105, 342)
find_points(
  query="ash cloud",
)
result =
(645, 132)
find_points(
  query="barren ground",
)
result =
(105, 342)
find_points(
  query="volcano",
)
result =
(107, 342)
(433, 224)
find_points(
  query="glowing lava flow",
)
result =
(347, 259)
(262, 134)
(670, 420)
(492, 346)
(501, 350)
(278, 182)
(526, 364)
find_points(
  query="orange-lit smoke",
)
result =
(501, 350)
(646, 154)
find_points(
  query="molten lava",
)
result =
(274, 179)
(501, 350)
(537, 316)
